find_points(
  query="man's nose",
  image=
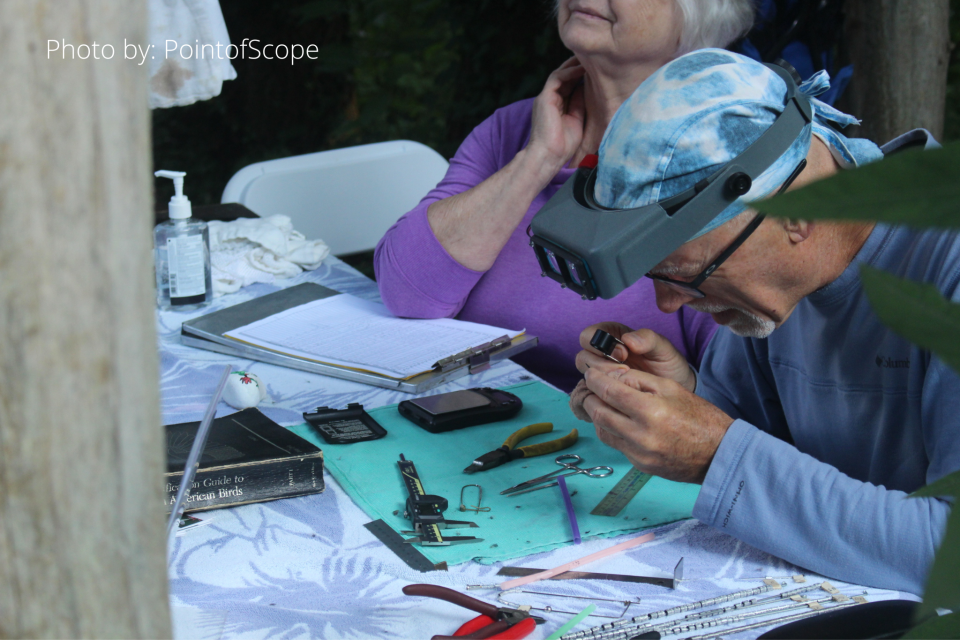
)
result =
(670, 299)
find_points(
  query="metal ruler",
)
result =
(406, 552)
(614, 502)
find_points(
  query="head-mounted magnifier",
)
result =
(596, 251)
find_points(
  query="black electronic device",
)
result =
(460, 409)
(345, 426)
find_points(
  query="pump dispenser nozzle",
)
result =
(180, 207)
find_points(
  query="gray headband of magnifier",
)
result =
(597, 251)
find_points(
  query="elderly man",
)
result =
(809, 421)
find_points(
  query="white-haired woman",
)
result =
(463, 250)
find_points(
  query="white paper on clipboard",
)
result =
(347, 331)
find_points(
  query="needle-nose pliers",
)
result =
(509, 450)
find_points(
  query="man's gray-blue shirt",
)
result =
(837, 419)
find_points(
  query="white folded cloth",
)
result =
(191, 72)
(252, 250)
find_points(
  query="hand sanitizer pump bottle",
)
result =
(182, 254)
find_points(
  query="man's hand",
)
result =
(662, 428)
(645, 351)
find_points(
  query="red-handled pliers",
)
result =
(495, 623)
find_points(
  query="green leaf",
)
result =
(940, 627)
(948, 485)
(916, 311)
(943, 583)
(918, 188)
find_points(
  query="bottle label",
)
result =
(185, 260)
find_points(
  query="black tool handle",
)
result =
(454, 597)
(603, 342)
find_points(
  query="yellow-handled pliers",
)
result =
(508, 452)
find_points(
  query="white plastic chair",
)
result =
(346, 197)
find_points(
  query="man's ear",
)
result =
(797, 230)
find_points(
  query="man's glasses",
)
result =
(692, 288)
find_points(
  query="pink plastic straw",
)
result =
(593, 557)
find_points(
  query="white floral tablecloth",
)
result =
(305, 568)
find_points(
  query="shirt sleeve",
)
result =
(762, 490)
(416, 276)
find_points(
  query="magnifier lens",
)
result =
(552, 259)
(574, 275)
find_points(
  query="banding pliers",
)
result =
(496, 623)
(508, 452)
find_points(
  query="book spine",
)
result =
(258, 482)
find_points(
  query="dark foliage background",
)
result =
(426, 70)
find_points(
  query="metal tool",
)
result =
(426, 512)
(570, 463)
(622, 493)
(509, 451)
(398, 545)
(517, 572)
(478, 508)
(491, 621)
(193, 460)
(625, 603)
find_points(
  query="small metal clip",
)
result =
(478, 508)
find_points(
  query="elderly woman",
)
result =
(463, 250)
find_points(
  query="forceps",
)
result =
(570, 463)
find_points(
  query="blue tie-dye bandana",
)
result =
(696, 114)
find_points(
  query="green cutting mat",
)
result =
(514, 526)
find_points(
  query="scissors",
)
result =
(570, 463)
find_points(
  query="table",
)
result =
(306, 567)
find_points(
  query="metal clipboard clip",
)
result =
(477, 357)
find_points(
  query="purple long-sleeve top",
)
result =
(419, 279)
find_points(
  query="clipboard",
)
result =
(207, 332)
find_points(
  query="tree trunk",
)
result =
(900, 50)
(82, 548)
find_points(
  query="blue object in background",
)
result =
(796, 51)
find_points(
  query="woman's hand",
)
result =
(643, 350)
(474, 226)
(559, 115)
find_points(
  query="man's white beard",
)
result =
(744, 324)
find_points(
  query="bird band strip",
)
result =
(671, 628)
(829, 588)
(595, 631)
(633, 629)
(766, 623)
